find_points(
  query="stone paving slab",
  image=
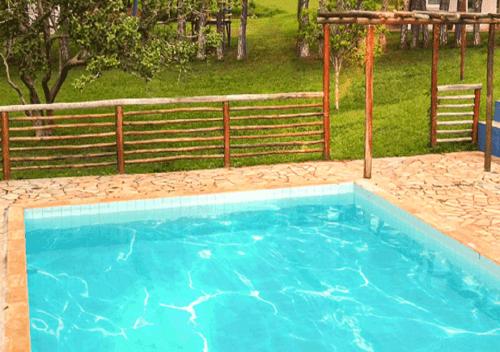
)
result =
(449, 191)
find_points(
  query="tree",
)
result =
(220, 30)
(478, 4)
(403, 40)
(202, 28)
(382, 39)
(461, 7)
(444, 5)
(416, 29)
(181, 19)
(346, 42)
(322, 4)
(303, 19)
(46, 39)
(242, 39)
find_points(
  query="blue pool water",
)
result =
(339, 272)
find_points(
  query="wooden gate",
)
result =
(456, 114)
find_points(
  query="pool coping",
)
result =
(17, 324)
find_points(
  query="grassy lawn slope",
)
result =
(402, 81)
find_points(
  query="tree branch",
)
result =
(47, 48)
(34, 99)
(63, 74)
(30, 84)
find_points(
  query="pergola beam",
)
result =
(406, 17)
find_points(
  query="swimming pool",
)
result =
(326, 268)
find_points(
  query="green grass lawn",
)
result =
(402, 81)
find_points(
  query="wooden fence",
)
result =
(166, 130)
(454, 116)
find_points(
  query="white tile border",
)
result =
(428, 236)
(188, 201)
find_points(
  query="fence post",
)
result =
(227, 135)
(120, 160)
(434, 82)
(369, 102)
(477, 102)
(326, 91)
(5, 146)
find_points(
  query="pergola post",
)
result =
(489, 97)
(326, 91)
(463, 38)
(370, 43)
(434, 82)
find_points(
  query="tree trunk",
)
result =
(202, 39)
(322, 7)
(403, 39)
(220, 32)
(415, 34)
(478, 4)
(46, 52)
(181, 20)
(461, 7)
(425, 28)
(416, 29)
(34, 99)
(242, 40)
(382, 38)
(303, 18)
(444, 5)
(337, 66)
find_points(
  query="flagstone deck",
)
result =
(449, 191)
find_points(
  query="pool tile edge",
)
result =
(228, 197)
(433, 220)
(17, 326)
(429, 235)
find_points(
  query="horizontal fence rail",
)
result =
(224, 128)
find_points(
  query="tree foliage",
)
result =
(346, 41)
(45, 39)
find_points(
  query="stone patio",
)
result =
(449, 191)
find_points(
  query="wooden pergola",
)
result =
(434, 18)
